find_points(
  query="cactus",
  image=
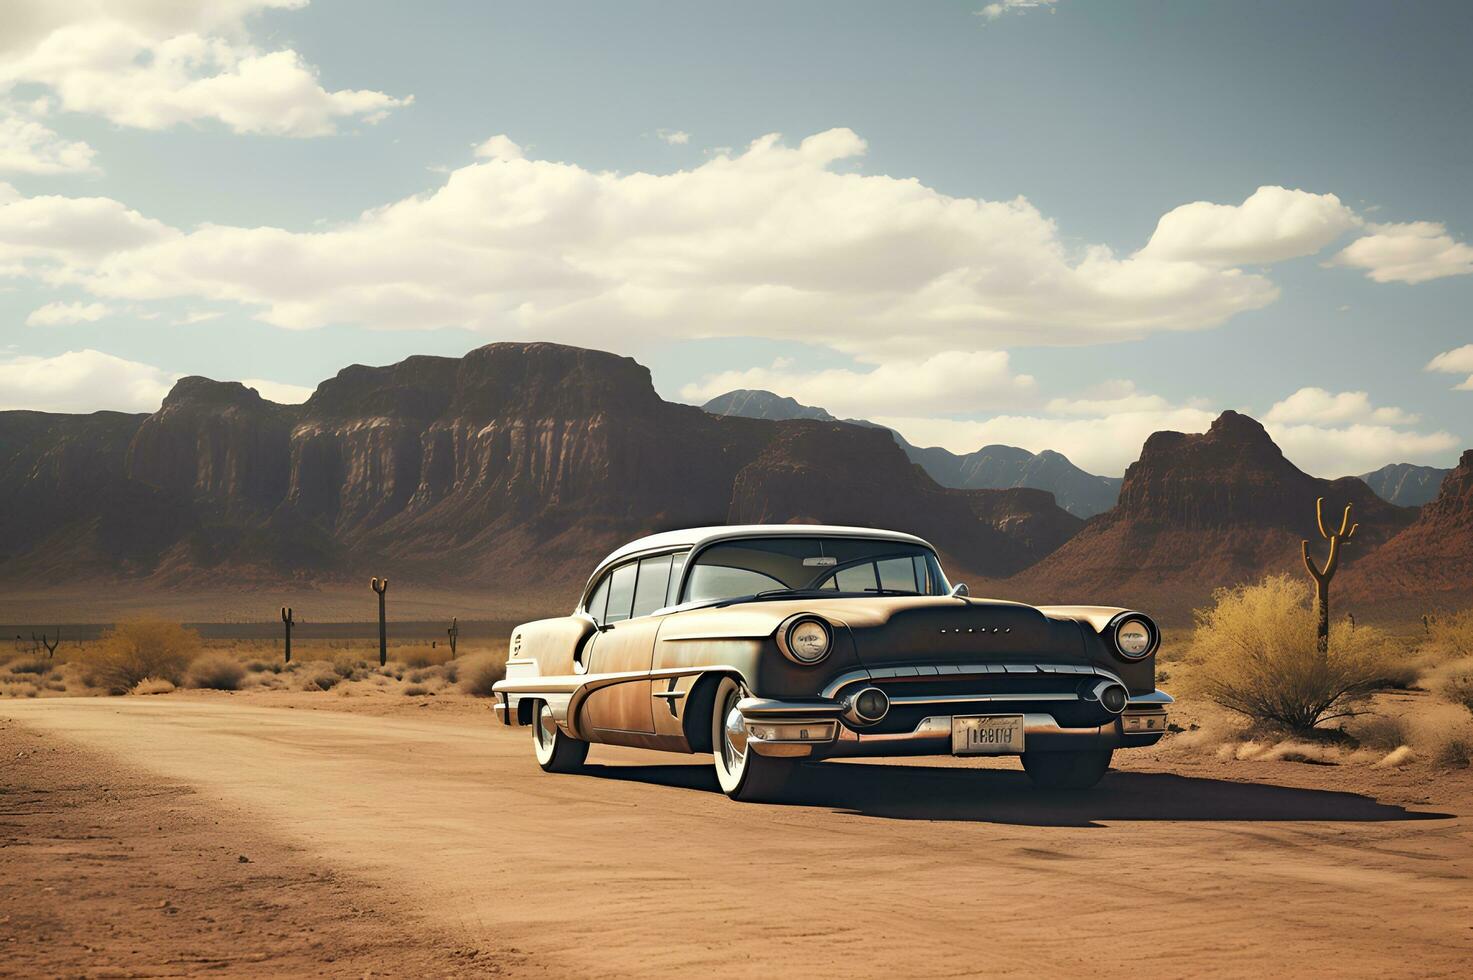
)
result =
(381, 586)
(45, 641)
(454, 633)
(1322, 575)
(288, 621)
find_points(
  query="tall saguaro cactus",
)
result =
(381, 586)
(288, 621)
(1323, 574)
(454, 633)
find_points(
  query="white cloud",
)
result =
(1113, 398)
(772, 242)
(1105, 444)
(1335, 451)
(675, 137)
(950, 382)
(29, 147)
(1329, 435)
(81, 381)
(60, 314)
(279, 392)
(197, 316)
(1273, 224)
(1413, 252)
(1318, 406)
(995, 10)
(152, 65)
(1456, 361)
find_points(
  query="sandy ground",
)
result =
(423, 841)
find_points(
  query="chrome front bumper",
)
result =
(774, 727)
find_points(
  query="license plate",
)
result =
(986, 734)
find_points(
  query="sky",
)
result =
(1058, 225)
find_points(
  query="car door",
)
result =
(625, 645)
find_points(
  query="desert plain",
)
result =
(269, 832)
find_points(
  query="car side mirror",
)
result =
(960, 590)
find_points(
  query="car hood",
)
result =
(897, 629)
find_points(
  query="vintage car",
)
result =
(771, 645)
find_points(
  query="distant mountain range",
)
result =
(989, 468)
(1000, 467)
(1406, 483)
(515, 468)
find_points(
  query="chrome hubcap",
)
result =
(546, 726)
(734, 746)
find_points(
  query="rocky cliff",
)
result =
(1197, 512)
(516, 466)
(1432, 560)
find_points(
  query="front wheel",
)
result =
(556, 752)
(1066, 770)
(743, 774)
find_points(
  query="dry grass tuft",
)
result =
(142, 648)
(217, 672)
(1384, 732)
(423, 657)
(153, 685)
(1450, 637)
(417, 691)
(477, 674)
(1454, 681)
(1397, 757)
(320, 678)
(1255, 654)
(39, 666)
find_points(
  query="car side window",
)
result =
(899, 574)
(598, 601)
(621, 593)
(677, 566)
(652, 584)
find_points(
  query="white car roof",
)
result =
(701, 536)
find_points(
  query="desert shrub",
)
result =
(264, 667)
(321, 680)
(1455, 682)
(22, 689)
(477, 674)
(1450, 637)
(216, 671)
(416, 691)
(153, 685)
(423, 658)
(346, 669)
(451, 672)
(141, 648)
(38, 666)
(1255, 653)
(1384, 732)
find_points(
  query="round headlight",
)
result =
(806, 640)
(1134, 637)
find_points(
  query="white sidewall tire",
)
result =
(747, 776)
(555, 751)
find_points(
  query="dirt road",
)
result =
(641, 868)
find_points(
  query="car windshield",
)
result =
(778, 566)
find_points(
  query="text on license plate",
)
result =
(986, 734)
